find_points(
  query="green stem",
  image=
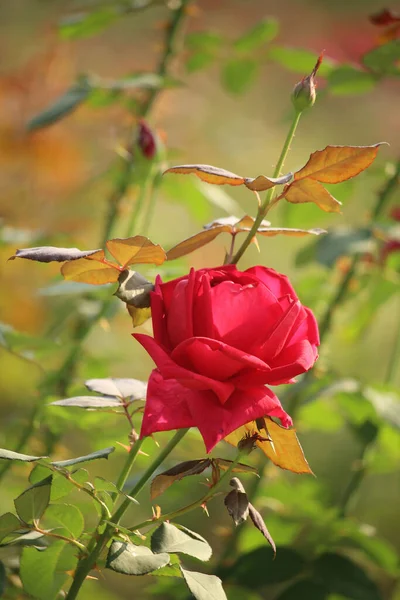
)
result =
(96, 547)
(394, 356)
(137, 208)
(151, 205)
(265, 207)
(123, 476)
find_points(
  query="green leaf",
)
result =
(32, 538)
(383, 59)
(265, 31)
(93, 456)
(199, 60)
(87, 24)
(8, 524)
(170, 570)
(62, 107)
(341, 575)
(42, 572)
(307, 589)
(32, 503)
(23, 343)
(203, 41)
(299, 60)
(386, 404)
(238, 74)
(67, 515)
(321, 415)
(258, 567)
(168, 538)
(3, 578)
(126, 558)
(60, 486)
(204, 587)
(10, 455)
(338, 242)
(347, 80)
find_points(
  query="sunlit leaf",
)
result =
(209, 174)
(263, 32)
(334, 164)
(8, 524)
(196, 241)
(62, 107)
(31, 504)
(199, 60)
(86, 24)
(138, 315)
(238, 74)
(384, 59)
(126, 558)
(262, 183)
(90, 270)
(138, 249)
(168, 538)
(92, 456)
(204, 587)
(51, 253)
(164, 480)
(133, 389)
(284, 451)
(44, 573)
(68, 516)
(310, 190)
(272, 231)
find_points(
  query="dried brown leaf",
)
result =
(262, 183)
(238, 468)
(90, 270)
(237, 505)
(260, 525)
(209, 174)
(196, 241)
(184, 469)
(136, 250)
(48, 254)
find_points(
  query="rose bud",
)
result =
(221, 336)
(146, 140)
(304, 93)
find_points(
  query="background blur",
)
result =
(231, 109)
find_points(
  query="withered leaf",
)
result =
(272, 231)
(335, 164)
(134, 250)
(209, 174)
(384, 17)
(176, 473)
(48, 254)
(310, 190)
(284, 450)
(134, 289)
(260, 525)
(237, 505)
(238, 468)
(263, 183)
(196, 241)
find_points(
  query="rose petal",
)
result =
(158, 316)
(276, 282)
(308, 329)
(214, 359)
(294, 360)
(216, 421)
(180, 315)
(166, 406)
(243, 315)
(278, 337)
(170, 370)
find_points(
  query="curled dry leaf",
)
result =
(237, 505)
(218, 176)
(134, 289)
(48, 254)
(224, 464)
(258, 522)
(184, 469)
(284, 450)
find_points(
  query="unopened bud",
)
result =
(304, 93)
(146, 140)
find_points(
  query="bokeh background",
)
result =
(55, 186)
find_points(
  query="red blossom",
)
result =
(221, 335)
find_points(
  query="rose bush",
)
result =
(220, 336)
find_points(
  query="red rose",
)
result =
(220, 335)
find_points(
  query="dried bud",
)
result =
(304, 93)
(146, 140)
(236, 502)
(134, 289)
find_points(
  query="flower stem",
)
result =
(96, 547)
(263, 210)
(394, 356)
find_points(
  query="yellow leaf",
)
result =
(138, 249)
(90, 270)
(139, 315)
(309, 190)
(209, 174)
(284, 450)
(337, 163)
